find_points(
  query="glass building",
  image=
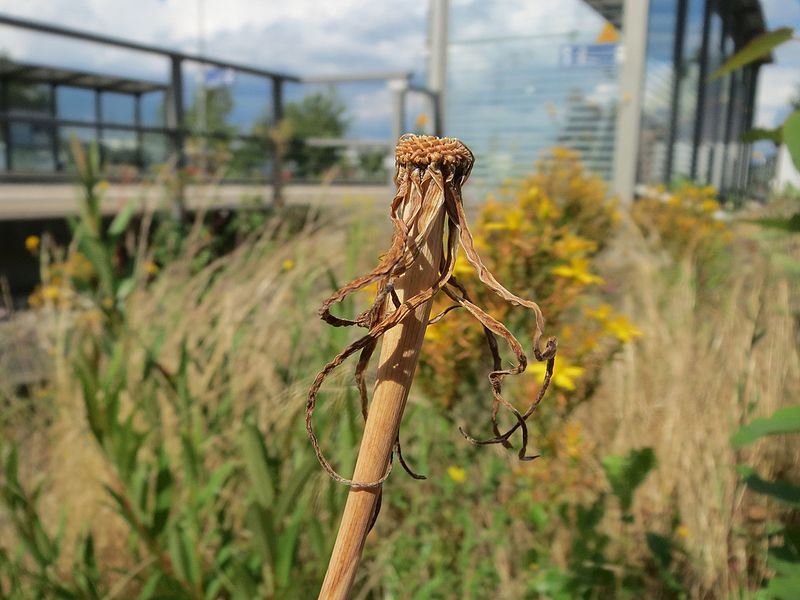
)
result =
(624, 82)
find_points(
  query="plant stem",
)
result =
(398, 361)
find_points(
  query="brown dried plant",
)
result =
(430, 173)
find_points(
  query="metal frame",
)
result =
(175, 127)
(635, 16)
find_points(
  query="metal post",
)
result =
(629, 109)
(174, 112)
(278, 145)
(98, 130)
(175, 124)
(751, 99)
(55, 132)
(6, 125)
(137, 123)
(677, 69)
(701, 89)
(437, 61)
(398, 88)
(726, 140)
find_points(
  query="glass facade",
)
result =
(655, 129)
(524, 77)
(709, 115)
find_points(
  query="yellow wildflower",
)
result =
(622, 329)
(682, 531)
(564, 376)
(572, 440)
(150, 267)
(32, 243)
(457, 474)
(601, 313)
(433, 333)
(577, 269)
(50, 292)
(35, 299)
(287, 265)
(571, 244)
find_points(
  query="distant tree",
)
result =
(317, 115)
(218, 105)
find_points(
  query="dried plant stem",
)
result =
(398, 361)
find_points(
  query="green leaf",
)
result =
(121, 221)
(790, 225)
(791, 137)
(259, 522)
(257, 465)
(99, 256)
(627, 473)
(291, 492)
(758, 48)
(287, 547)
(785, 420)
(126, 286)
(758, 133)
(661, 549)
(163, 499)
(781, 490)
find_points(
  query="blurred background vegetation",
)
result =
(161, 452)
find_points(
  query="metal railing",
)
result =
(174, 127)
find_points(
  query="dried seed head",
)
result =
(428, 150)
(429, 177)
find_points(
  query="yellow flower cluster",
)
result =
(686, 220)
(541, 240)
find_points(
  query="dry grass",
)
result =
(708, 361)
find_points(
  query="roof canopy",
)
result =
(31, 73)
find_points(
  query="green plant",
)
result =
(784, 548)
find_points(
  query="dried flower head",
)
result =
(430, 173)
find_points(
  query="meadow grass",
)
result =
(218, 356)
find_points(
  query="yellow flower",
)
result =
(150, 267)
(32, 243)
(35, 299)
(577, 269)
(433, 333)
(462, 266)
(287, 265)
(564, 376)
(572, 440)
(457, 474)
(50, 292)
(622, 329)
(570, 245)
(682, 531)
(601, 313)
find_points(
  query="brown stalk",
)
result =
(419, 263)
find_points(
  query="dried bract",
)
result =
(430, 173)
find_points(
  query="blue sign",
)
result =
(219, 77)
(588, 55)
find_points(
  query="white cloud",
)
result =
(777, 85)
(306, 36)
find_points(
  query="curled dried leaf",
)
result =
(430, 173)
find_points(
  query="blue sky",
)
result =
(305, 37)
